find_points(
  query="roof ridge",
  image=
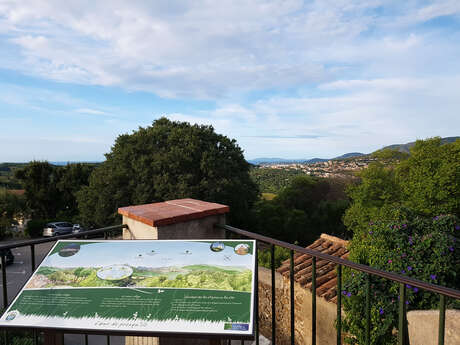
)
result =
(334, 239)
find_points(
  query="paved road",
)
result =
(19, 272)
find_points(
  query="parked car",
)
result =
(9, 257)
(57, 228)
(78, 228)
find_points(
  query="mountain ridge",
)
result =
(400, 147)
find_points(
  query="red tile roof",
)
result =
(16, 191)
(326, 274)
(172, 211)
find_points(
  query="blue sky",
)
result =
(291, 79)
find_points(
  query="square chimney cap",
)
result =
(173, 211)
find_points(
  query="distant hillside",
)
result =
(7, 179)
(74, 162)
(258, 161)
(350, 155)
(400, 147)
(406, 147)
(262, 161)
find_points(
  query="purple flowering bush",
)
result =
(424, 248)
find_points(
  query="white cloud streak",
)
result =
(203, 49)
(294, 78)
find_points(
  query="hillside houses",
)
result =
(330, 168)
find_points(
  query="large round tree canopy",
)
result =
(168, 160)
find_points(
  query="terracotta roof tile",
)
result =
(173, 211)
(326, 274)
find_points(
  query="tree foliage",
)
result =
(50, 190)
(39, 180)
(427, 182)
(404, 219)
(272, 180)
(419, 247)
(430, 178)
(12, 206)
(165, 161)
(301, 212)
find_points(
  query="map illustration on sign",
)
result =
(195, 286)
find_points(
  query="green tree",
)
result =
(404, 219)
(51, 190)
(72, 178)
(40, 182)
(169, 160)
(430, 177)
(406, 243)
(272, 180)
(11, 207)
(302, 211)
(377, 192)
(427, 182)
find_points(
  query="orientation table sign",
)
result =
(186, 286)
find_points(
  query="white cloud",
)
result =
(202, 49)
(358, 115)
(294, 78)
(91, 111)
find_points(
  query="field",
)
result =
(192, 276)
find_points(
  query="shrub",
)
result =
(264, 256)
(419, 247)
(35, 227)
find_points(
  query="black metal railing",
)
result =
(443, 292)
(32, 243)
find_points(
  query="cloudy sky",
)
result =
(292, 79)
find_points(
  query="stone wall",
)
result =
(423, 327)
(325, 312)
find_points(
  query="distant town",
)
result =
(332, 168)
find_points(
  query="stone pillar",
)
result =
(183, 219)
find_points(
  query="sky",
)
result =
(285, 78)
(138, 253)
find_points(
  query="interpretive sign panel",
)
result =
(194, 286)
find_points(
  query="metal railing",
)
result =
(443, 292)
(32, 243)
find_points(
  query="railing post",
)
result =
(256, 291)
(339, 304)
(402, 314)
(5, 288)
(442, 319)
(291, 286)
(368, 309)
(32, 257)
(313, 301)
(272, 265)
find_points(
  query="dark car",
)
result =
(9, 257)
(57, 228)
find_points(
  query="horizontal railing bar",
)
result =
(61, 237)
(353, 265)
(126, 333)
